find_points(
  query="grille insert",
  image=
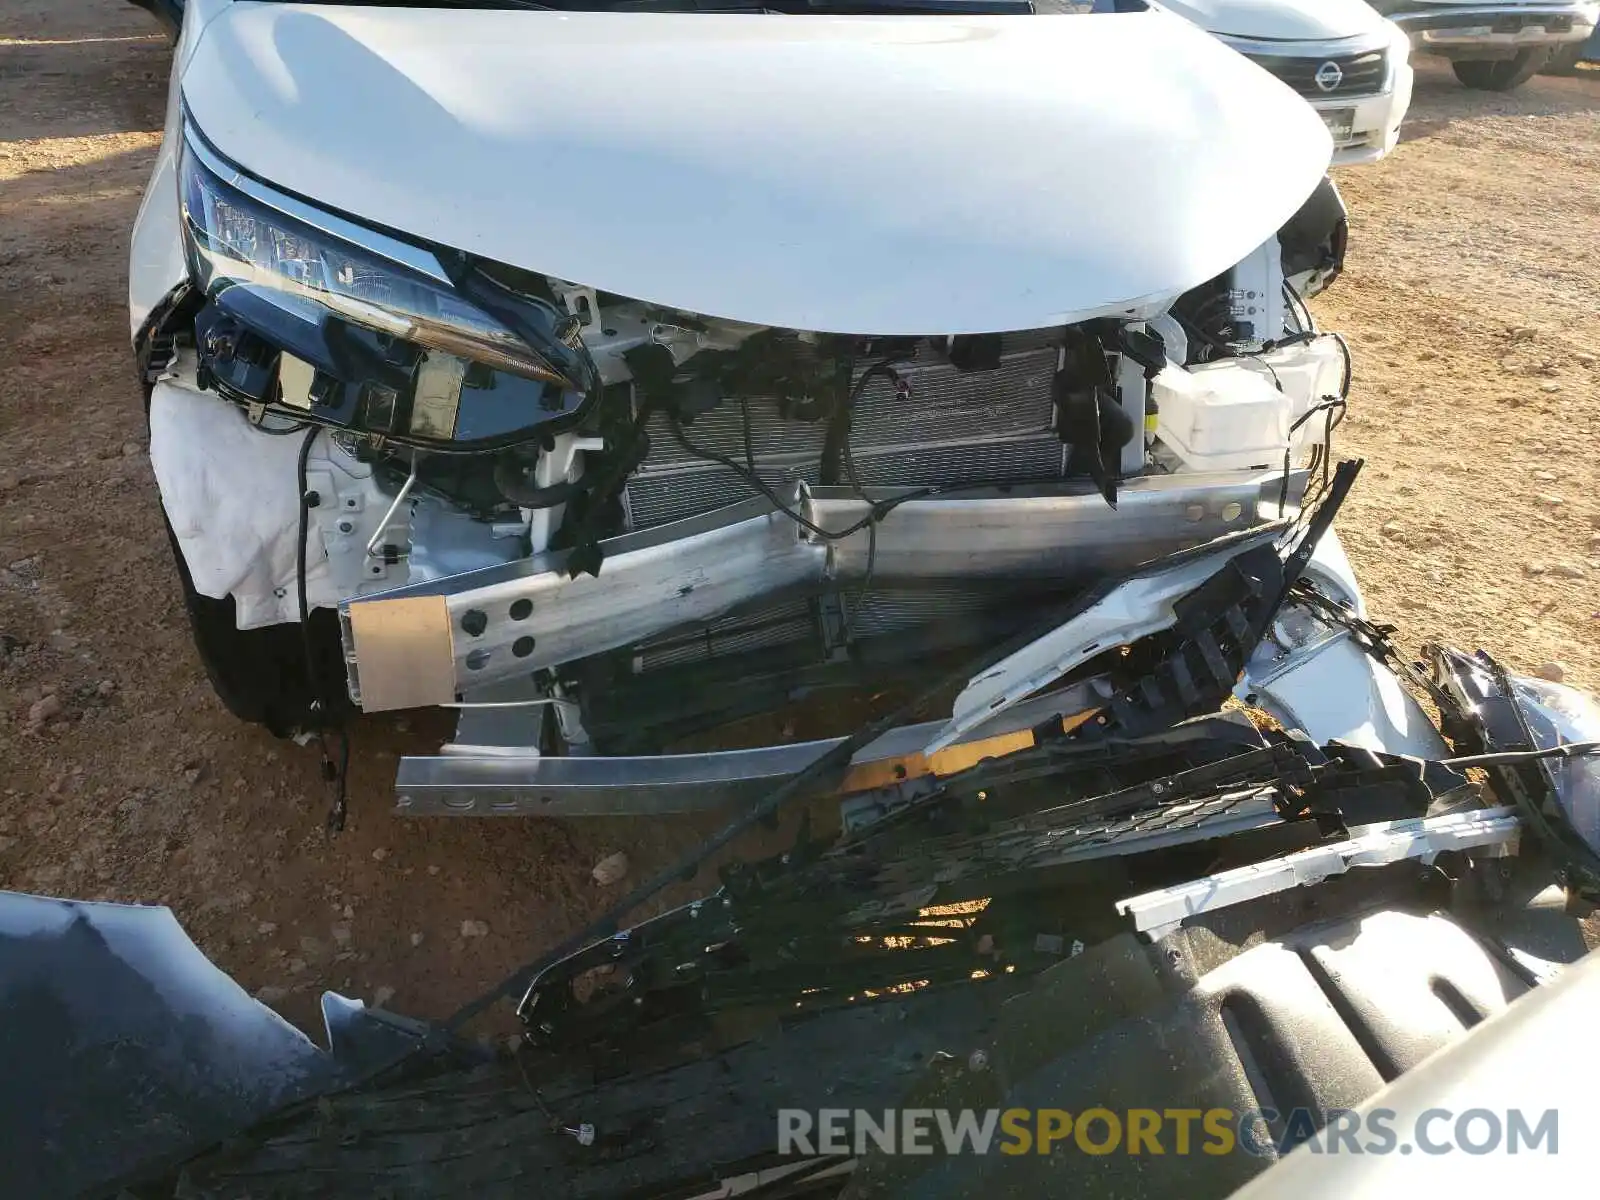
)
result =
(1352, 74)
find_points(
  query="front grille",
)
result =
(1357, 74)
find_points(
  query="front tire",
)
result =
(260, 674)
(1500, 74)
(1563, 60)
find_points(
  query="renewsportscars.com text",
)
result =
(1180, 1131)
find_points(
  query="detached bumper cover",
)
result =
(127, 1048)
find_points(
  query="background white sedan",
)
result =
(1351, 64)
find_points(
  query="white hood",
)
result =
(1281, 20)
(1392, 8)
(894, 175)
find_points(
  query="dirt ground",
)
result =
(1470, 303)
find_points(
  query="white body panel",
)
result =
(1375, 123)
(1378, 845)
(155, 253)
(155, 258)
(857, 174)
(229, 493)
(1280, 20)
(1317, 30)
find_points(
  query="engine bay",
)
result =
(644, 523)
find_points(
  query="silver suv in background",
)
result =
(1495, 46)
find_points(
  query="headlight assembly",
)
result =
(1558, 715)
(380, 335)
(1537, 740)
(1399, 52)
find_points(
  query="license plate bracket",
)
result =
(1341, 123)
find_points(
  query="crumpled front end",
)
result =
(612, 489)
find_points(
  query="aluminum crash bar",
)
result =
(491, 782)
(428, 643)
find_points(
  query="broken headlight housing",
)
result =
(1519, 724)
(1559, 715)
(311, 313)
(1399, 52)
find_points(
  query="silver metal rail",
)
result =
(502, 784)
(428, 643)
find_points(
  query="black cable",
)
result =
(848, 632)
(340, 807)
(312, 420)
(881, 508)
(1271, 370)
(1329, 406)
(1349, 364)
(1565, 750)
(1307, 322)
(749, 442)
(884, 367)
(282, 431)
(306, 505)
(1194, 330)
(339, 774)
(876, 510)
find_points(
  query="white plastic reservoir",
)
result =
(1231, 415)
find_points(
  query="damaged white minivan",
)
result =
(616, 374)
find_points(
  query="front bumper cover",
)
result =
(1497, 28)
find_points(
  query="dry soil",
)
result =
(1472, 302)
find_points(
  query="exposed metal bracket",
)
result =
(507, 621)
(511, 783)
(1133, 609)
(1422, 838)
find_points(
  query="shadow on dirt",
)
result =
(86, 87)
(1439, 102)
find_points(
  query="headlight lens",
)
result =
(1559, 797)
(1399, 50)
(237, 240)
(1558, 715)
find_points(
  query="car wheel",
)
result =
(1563, 60)
(1500, 74)
(260, 674)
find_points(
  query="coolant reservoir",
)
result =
(1231, 415)
(1308, 372)
(1221, 416)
